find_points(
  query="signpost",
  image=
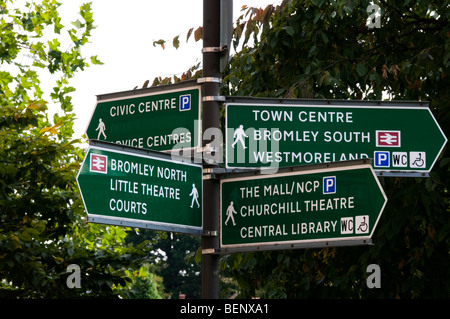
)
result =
(402, 138)
(158, 118)
(137, 188)
(317, 206)
(299, 206)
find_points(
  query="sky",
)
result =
(123, 41)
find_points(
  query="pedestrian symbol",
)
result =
(194, 194)
(239, 135)
(101, 129)
(229, 213)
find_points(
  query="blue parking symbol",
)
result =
(381, 159)
(185, 102)
(329, 185)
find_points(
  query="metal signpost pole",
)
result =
(211, 119)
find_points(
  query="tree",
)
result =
(327, 49)
(42, 224)
(147, 285)
(180, 273)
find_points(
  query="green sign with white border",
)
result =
(337, 203)
(138, 188)
(402, 138)
(157, 118)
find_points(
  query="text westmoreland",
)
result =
(302, 157)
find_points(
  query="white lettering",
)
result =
(326, 116)
(127, 206)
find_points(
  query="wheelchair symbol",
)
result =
(363, 224)
(419, 161)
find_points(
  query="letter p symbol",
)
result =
(185, 102)
(329, 185)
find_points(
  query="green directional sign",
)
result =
(157, 118)
(401, 137)
(121, 186)
(321, 205)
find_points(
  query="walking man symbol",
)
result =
(230, 212)
(101, 129)
(194, 194)
(239, 135)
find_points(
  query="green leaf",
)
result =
(198, 255)
(95, 60)
(5, 78)
(159, 42)
(289, 30)
(86, 12)
(308, 69)
(78, 24)
(37, 105)
(312, 50)
(317, 18)
(25, 236)
(189, 33)
(176, 42)
(361, 69)
(317, 3)
(25, 83)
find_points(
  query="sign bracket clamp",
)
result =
(221, 49)
(210, 233)
(209, 79)
(214, 98)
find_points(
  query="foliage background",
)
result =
(301, 48)
(324, 49)
(42, 220)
